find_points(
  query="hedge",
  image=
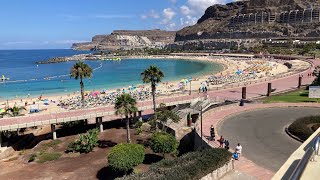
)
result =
(193, 166)
(300, 127)
(162, 142)
(123, 157)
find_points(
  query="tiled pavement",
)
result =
(216, 116)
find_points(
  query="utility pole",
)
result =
(201, 126)
(190, 87)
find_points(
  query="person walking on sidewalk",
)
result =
(239, 149)
(221, 141)
(212, 133)
(226, 145)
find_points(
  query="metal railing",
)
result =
(307, 157)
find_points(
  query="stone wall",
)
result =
(217, 174)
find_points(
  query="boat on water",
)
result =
(3, 78)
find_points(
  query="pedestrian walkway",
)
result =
(216, 116)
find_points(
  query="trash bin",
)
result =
(241, 102)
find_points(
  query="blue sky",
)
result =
(43, 24)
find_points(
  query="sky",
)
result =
(55, 24)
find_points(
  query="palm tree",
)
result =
(81, 70)
(125, 105)
(163, 115)
(152, 75)
(14, 111)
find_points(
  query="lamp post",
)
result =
(190, 87)
(201, 126)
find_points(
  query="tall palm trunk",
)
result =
(128, 129)
(153, 91)
(82, 91)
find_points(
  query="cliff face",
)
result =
(127, 39)
(255, 19)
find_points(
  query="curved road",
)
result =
(262, 136)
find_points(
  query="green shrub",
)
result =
(289, 65)
(162, 142)
(138, 124)
(315, 127)
(32, 157)
(85, 143)
(138, 131)
(193, 166)
(44, 157)
(123, 157)
(300, 127)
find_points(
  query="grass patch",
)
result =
(12, 159)
(44, 157)
(49, 145)
(291, 97)
(23, 152)
(32, 157)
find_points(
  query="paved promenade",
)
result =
(216, 116)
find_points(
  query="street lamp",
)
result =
(190, 87)
(201, 126)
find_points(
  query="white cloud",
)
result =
(185, 10)
(154, 14)
(168, 15)
(201, 5)
(151, 14)
(143, 16)
(171, 26)
(173, 1)
(188, 21)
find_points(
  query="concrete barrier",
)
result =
(218, 173)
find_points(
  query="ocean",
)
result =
(26, 78)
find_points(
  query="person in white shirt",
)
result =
(239, 149)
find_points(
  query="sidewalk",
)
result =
(216, 116)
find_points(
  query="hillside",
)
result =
(128, 39)
(256, 19)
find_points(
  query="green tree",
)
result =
(81, 70)
(152, 75)
(14, 111)
(163, 115)
(125, 105)
(86, 142)
(162, 142)
(123, 157)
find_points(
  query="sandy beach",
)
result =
(267, 68)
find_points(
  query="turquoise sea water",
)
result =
(26, 78)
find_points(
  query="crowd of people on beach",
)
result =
(97, 98)
(223, 143)
(253, 69)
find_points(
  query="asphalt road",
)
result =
(262, 136)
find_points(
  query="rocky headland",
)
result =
(128, 39)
